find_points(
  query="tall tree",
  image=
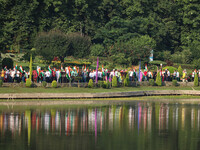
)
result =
(52, 44)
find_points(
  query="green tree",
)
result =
(114, 81)
(158, 79)
(196, 81)
(97, 50)
(51, 44)
(132, 51)
(80, 45)
(180, 70)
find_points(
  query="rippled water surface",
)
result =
(136, 125)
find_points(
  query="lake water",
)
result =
(135, 125)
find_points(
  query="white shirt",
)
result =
(17, 74)
(58, 74)
(112, 73)
(47, 74)
(193, 74)
(168, 73)
(99, 74)
(12, 74)
(91, 74)
(130, 73)
(177, 74)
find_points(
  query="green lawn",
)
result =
(87, 90)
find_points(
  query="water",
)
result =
(137, 125)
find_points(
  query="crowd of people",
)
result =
(84, 74)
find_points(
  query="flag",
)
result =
(49, 68)
(59, 73)
(16, 67)
(82, 67)
(146, 67)
(76, 69)
(5, 68)
(21, 69)
(85, 68)
(97, 69)
(38, 70)
(139, 71)
(42, 73)
(103, 73)
(68, 75)
(62, 68)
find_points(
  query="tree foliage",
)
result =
(196, 81)
(51, 44)
(158, 79)
(80, 44)
(174, 26)
(131, 51)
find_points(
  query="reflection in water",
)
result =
(147, 122)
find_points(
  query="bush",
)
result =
(114, 81)
(174, 82)
(7, 62)
(106, 84)
(44, 84)
(158, 79)
(180, 70)
(157, 62)
(196, 82)
(21, 84)
(54, 84)
(90, 84)
(100, 83)
(177, 57)
(151, 82)
(126, 80)
(28, 83)
(170, 68)
(1, 83)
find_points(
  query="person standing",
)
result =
(17, 76)
(177, 76)
(193, 74)
(184, 76)
(47, 75)
(174, 75)
(57, 72)
(2, 75)
(131, 75)
(168, 75)
(12, 74)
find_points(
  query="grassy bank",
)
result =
(88, 90)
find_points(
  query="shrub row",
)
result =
(107, 84)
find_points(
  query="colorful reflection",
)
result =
(143, 119)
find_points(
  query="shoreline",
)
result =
(13, 96)
(87, 102)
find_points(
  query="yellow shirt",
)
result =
(2, 73)
(183, 75)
